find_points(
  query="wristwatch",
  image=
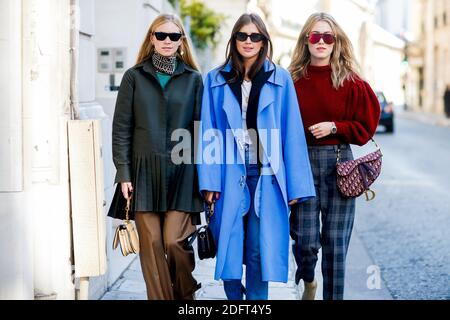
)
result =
(333, 128)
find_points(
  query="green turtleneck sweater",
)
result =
(163, 78)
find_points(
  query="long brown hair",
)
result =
(184, 53)
(343, 61)
(233, 55)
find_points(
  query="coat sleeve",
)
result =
(209, 173)
(122, 129)
(300, 183)
(363, 112)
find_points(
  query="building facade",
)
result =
(394, 16)
(379, 52)
(49, 56)
(429, 55)
(35, 91)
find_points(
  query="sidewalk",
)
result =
(131, 286)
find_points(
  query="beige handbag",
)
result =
(126, 235)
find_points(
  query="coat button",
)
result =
(242, 181)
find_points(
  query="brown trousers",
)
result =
(166, 264)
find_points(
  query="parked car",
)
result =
(387, 112)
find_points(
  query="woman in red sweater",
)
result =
(338, 109)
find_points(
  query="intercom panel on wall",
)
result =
(111, 60)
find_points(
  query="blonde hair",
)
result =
(184, 52)
(343, 62)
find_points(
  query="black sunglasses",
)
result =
(161, 36)
(254, 37)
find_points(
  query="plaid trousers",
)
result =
(337, 216)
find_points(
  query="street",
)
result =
(406, 229)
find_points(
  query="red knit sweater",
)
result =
(354, 107)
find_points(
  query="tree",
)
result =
(204, 23)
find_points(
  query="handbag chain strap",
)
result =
(210, 212)
(338, 158)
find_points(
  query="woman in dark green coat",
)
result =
(158, 103)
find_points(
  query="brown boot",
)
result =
(310, 290)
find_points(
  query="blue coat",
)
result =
(286, 174)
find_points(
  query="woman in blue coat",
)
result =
(253, 161)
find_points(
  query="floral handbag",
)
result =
(354, 177)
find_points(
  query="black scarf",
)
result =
(257, 83)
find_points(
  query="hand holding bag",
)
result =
(118, 203)
(126, 235)
(206, 247)
(354, 177)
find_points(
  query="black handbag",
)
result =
(118, 203)
(206, 247)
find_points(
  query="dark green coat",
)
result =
(144, 119)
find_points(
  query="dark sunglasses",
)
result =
(328, 38)
(161, 36)
(254, 37)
